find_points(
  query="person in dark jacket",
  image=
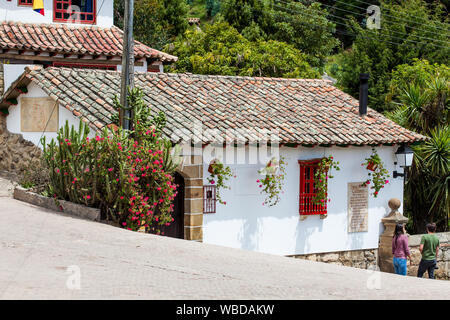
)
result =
(400, 250)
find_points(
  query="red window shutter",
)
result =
(308, 190)
(64, 11)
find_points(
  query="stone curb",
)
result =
(49, 203)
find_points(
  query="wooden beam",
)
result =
(53, 59)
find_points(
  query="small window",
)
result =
(28, 3)
(308, 190)
(75, 11)
(209, 199)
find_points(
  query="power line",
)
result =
(346, 25)
(393, 31)
(343, 32)
(393, 22)
(402, 19)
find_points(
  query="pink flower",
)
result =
(387, 181)
(110, 169)
(368, 182)
(212, 181)
(257, 180)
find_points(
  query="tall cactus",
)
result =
(127, 174)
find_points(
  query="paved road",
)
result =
(47, 255)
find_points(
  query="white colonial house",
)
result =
(231, 119)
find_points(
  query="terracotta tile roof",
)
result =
(61, 38)
(304, 111)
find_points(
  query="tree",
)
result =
(220, 49)
(156, 22)
(427, 192)
(400, 40)
(304, 27)
(421, 93)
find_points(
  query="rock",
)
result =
(329, 257)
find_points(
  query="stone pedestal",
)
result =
(385, 244)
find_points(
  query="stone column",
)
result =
(385, 244)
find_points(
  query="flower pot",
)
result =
(372, 166)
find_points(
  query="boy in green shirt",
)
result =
(429, 247)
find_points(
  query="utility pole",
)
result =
(127, 65)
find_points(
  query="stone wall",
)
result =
(17, 155)
(443, 259)
(363, 259)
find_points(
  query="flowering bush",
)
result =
(379, 175)
(272, 183)
(321, 176)
(218, 171)
(127, 174)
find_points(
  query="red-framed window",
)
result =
(76, 11)
(209, 199)
(307, 189)
(85, 66)
(28, 3)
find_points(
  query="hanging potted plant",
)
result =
(272, 183)
(219, 173)
(321, 177)
(378, 178)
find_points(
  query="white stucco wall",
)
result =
(246, 224)
(13, 119)
(10, 11)
(142, 68)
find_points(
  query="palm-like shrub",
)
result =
(423, 106)
(428, 188)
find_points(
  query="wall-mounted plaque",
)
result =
(358, 207)
(37, 114)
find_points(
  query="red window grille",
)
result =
(77, 11)
(85, 66)
(209, 199)
(308, 190)
(25, 3)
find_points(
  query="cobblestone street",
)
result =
(48, 255)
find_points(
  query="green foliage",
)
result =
(220, 49)
(156, 22)
(400, 40)
(305, 27)
(321, 176)
(127, 174)
(212, 7)
(421, 93)
(379, 175)
(220, 173)
(428, 188)
(272, 183)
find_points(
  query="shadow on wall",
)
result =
(303, 233)
(250, 233)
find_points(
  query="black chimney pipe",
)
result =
(363, 93)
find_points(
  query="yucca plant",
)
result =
(424, 107)
(428, 187)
